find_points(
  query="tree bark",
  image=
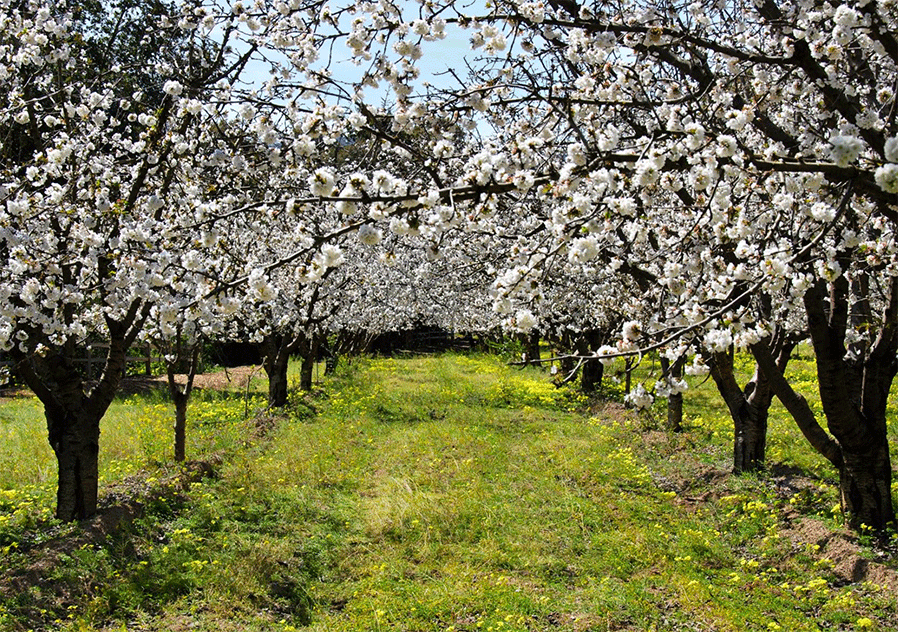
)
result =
(674, 400)
(533, 355)
(591, 377)
(750, 439)
(307, 368)
(567, 362)
(331, 359)
(865, 481)
(75, 439)
(530, 344)
(276, 351)
(181, 395)
(180, 427)
(277, 383)
(73, 411)
(628, 375)
(593, 370)
(749, 415)
(854, 389)
(797, 405)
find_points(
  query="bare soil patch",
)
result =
(842, 550)
(237, 377)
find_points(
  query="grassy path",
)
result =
(454, 493)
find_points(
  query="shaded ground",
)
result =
(121, 505)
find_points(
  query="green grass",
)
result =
(454, 493)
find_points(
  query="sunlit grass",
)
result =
(25, 455)
(136, 435)
(705, 412)
(457, 493)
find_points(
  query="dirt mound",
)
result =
(842, 549)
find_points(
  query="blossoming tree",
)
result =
(104, 150)
(741, 158)
(737, 150)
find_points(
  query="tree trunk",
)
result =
(749, 415)
(331, 359)
(307, 368)
(749, 406)
(565, 348)
(530, 348)
(75, 439)
(533, 355)
(865, 488)
(749, 425)
(674, 400)
(591, 377)
(593, 370)
(750, 440)
(796, 404)
(628, 375)
(180, 428)
(276, 350)
(277, 384)
(854, 390)
(73, 419)
(181, 395)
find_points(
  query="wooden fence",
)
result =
(94, 356)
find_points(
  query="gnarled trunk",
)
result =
(73, 412)
(749, 406)
(310, 355)
(591, 377)
(277, 383)
(796, 404)
(180, 428)
(530, 345)
(75, 439)
(593, 370)
(565, 346)
(865, 488)
(180, 394)
(276, 351)
(750, 439)
(854, 382)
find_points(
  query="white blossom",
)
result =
(173, 88)
(370, 235)
(639, 397)
(886, 177)
(845, 149)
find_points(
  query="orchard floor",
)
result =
(222, 379)
(455, 493)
